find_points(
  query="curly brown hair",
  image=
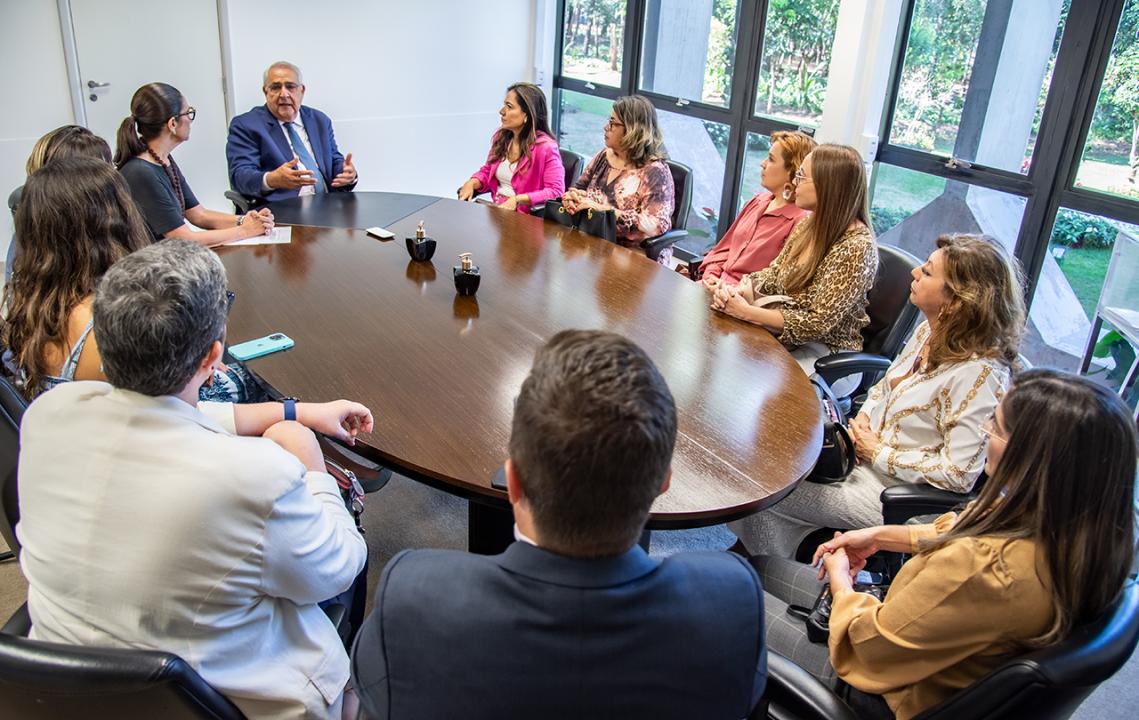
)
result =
(76, 218)
(984, 314)
(796, 147)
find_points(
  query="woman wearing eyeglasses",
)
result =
(825, 269)
(630, 175)
(925, 420)
(1046, 548)
(159, 122)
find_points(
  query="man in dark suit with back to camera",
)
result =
(574, 620)
(283, 149)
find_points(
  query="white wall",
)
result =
(36, 96)
(413, 88)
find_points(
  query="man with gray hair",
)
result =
(283, 149)
(207, 530)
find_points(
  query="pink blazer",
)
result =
(541, 176)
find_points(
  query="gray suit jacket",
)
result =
(530, 633)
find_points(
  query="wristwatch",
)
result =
(290, 408)
(240, 219)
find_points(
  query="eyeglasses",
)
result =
(191, 113)
(989, 428)
(277, 87)
(614, 124)
(801, 178)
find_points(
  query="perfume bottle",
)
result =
(420, 247)
(466, 275)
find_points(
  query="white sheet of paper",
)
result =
(277, 236)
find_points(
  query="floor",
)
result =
(407, 514)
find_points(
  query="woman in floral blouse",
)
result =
(630, 175)
(925, 420)
(825, 269)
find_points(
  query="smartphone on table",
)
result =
(261, 346)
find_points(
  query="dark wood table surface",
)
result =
(440, 372)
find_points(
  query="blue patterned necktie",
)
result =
(305, 156)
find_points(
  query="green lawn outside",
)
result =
(906, 190)
(1086, 269)
(586, 103)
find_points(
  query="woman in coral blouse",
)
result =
(524, 168)
(1046, 548)
(762, 227)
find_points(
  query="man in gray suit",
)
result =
(574, 620)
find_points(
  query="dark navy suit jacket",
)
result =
(257, 145)
(532, 634)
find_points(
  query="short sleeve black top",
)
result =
(155, 196)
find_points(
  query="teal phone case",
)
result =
(261, 346)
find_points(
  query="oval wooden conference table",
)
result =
(440, 371)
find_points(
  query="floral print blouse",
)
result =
(643, 197)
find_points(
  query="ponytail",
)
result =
(127, 142)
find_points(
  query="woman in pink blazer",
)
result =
(524, 168)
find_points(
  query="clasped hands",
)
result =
(866, 441)
(257, 222)
(843, 556)
(730, 299)
(576, 199)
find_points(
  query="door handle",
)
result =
(92, 84)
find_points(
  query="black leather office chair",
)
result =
(241, 203)
(1046, 684)
(12, 407)
(892, 319)
(682, 189)
(48, 681)
(574, 164)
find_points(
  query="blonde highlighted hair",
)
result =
(984, 314)
(841, 201)
(796, 147)
(642, 142)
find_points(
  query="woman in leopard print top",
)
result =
(825, 269)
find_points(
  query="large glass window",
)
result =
(1111, 155)
(593, 37)
(757, 148)
(975, 78)
(797, 41)
(1085, 312)
(701, 145)
(581, 119)
(689, 49)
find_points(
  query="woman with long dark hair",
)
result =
(75, 220)
(1046, 547)
(524, 168)
(159, 122)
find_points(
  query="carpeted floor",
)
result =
(406, 514)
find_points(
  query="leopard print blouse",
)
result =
(832, 308)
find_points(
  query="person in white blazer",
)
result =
(924, 421)
(207, 530)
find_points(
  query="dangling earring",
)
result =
(786, 193)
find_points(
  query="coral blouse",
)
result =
(753, 240)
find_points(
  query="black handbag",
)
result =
(836, 458)
(598, 223)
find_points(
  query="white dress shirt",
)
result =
(300, 126)
(148, 523)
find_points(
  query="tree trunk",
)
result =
(613, 54)
(1133, 156)
(770, 84)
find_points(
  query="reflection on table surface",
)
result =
(440, 372)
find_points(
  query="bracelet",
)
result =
(290, 408)
(240, 219)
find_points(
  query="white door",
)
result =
(122, 45)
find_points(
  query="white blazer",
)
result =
(147, 523)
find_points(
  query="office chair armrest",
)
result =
(242, 203)
(841, 364)
(902, 502)
(654, 246)
(370, 475)
(19, 624)
(793, 692)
